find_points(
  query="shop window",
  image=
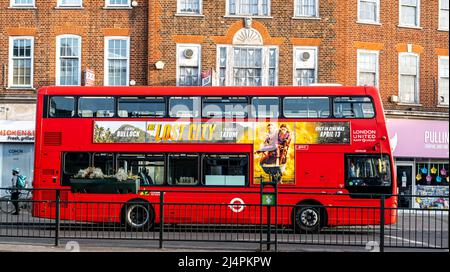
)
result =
(225, 170)
(147, 168)
(62, 106)
(183, 169)
(435, 174)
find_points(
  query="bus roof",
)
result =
(207, 91)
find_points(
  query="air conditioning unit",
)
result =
(305, 56)
(394, 98)
(188, 53)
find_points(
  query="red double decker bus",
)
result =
(119, 147)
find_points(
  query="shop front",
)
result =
(421, 153)
(16, 150)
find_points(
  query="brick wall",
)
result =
(92, 23)
(390, 39)
(167, 29)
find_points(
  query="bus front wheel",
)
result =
(138, 215)
(308, 217)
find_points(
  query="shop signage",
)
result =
(17, 131)
(419, 138)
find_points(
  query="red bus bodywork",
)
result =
(324, 186)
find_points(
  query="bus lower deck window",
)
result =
(183, 169)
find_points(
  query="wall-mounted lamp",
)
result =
(134, 4)
(159, 65)
(132, 82)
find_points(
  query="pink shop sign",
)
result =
(419, 138)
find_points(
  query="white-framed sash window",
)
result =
(68, 60)
(118, 3)
(305, 65)
(410, 13)
(409, 78)
(369, 11)
(70, 3)
(22, 3)
(368, 67)
(248, 7)
(188, 64)
(443, 81)
(306, 8)
(21, 54)
(443, 14)
(247, 65)
(117, 61)
(189, 7)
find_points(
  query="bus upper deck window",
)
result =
(96, 106)
(353, 107)
(141, 107)
(180, 107)
(219, 107)
(265, 107)
(306, 107)
(62, 106)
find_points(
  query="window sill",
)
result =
(189, 15)
(122, 7)
(248, 16)
(69, 7)
(442, 29)
(306, 18)
(20, 88)
(409, 104)
(443, 106)
(24, 7)
(368, 23)
(410, 27)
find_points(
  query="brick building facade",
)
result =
(330, 32)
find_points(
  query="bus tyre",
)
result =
(138, 215)
(308, 218)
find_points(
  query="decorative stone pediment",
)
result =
(247, 36)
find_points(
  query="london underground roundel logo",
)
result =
(237, 205)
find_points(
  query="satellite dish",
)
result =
(188, 53)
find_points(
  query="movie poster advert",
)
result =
(274, 152)
(322, 133)
(172, 132)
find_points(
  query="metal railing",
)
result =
(378, 225)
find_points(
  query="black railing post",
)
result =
(57, 216)
(269, 230)
(161, 218)
(382, 221)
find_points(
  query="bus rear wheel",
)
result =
(138, 215)
(308, 218)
